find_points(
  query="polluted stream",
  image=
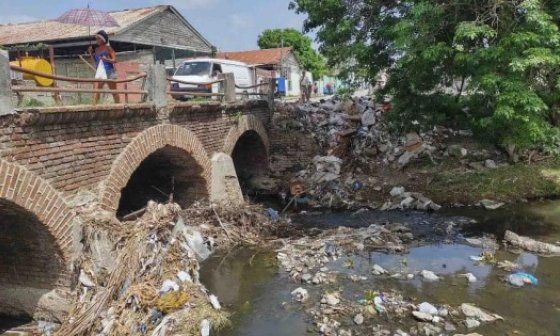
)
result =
(252, 285)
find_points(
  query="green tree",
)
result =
(502, 57)
(308, 57)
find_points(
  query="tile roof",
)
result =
(50, 30)
(252, 57)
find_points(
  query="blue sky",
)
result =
(228, 24)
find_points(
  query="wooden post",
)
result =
(228, 87)
(271, 90)
(126, 94)
(56, 95)
(157, 85)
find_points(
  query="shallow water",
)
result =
(254, 288)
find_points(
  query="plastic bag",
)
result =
(101, 73)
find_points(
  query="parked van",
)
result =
(203, 70)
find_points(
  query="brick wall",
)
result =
(291, 148)
(75, 148)
(48, 155)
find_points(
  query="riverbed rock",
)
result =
(475, 312)
(422, 317)
(397, 191)
(470, 277)
(359, 319)
(507, 265)
(426, 307)
(472, 323)
(491, 204)
(306, 278)
(429, 329)
(331, 299)
(300, 294)
(457, 151)
(429, 275)
(490, 164)
(449, 327)
(378, 270)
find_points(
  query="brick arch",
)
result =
(35, 195)
(246, 123)
(140, 148)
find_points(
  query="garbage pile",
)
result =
(355, 129)
(401, 199)
(354, 140)
(322, 269)
(142, 277)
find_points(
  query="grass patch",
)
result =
(508, 183)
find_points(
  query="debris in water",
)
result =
(531, 245)
(429, 275)
(490, 204)
(520, 279)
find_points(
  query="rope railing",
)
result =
(74, 90)
(56, 91)
(251, 86)
(175, 92)
(195, 94)
(75, 79)
(170, 79)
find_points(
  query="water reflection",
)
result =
(247, 282)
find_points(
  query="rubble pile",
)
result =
(142, 277)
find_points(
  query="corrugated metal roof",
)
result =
(45, 31)
(252, 57)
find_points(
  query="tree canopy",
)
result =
(308, 57)
(494, 64)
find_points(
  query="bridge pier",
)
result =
(224, 184)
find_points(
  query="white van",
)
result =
(203, 70)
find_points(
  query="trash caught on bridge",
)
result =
(151, 286)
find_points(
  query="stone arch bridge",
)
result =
(123, 156)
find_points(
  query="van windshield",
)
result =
(193, 69)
